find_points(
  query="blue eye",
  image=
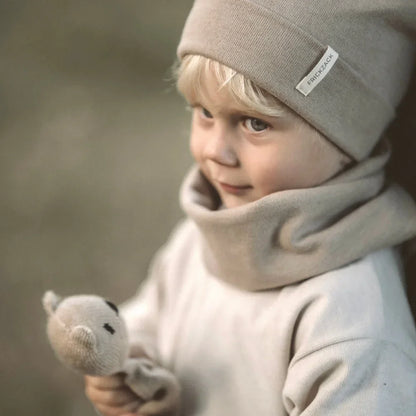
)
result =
(255, 124)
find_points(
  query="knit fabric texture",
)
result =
(276, 43)
(86, 333)
(288, 236)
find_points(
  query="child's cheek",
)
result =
(196, 149)
(272, 171)
(198, 141)
(269, 180)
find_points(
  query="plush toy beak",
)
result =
(50, 302)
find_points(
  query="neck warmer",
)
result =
(292, 235)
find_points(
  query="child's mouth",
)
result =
(233, 189)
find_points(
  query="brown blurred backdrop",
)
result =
(93, 148)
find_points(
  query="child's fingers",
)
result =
(127, 410)
(105, 382)
(133, 414)
(116, 397)
(111, 397)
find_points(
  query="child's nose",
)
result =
(220, 148)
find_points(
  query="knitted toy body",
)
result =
(88, 335)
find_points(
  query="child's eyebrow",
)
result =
(252, 113)
(197, 100)
(238, 112)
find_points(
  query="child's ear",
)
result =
(50, 302)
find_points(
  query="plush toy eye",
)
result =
(112, 306)
(109, 328)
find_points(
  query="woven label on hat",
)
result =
(318, 72)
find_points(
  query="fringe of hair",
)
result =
(191, 72)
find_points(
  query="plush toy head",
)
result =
(87, 333)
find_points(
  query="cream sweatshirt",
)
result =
(342, 343)
(291, 305)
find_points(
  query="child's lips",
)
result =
(234, 189)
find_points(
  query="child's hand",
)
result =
(111, 396)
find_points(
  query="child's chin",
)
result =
(233, 202)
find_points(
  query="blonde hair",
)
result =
(191, 72)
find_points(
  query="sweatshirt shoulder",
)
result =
(180, 246)
(363, 300)
(184, 235)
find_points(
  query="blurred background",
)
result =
(93, 148)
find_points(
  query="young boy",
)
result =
(281, 293)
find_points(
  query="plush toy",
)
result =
(88, 335)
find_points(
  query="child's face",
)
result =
(246, 155)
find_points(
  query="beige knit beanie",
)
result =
(343, 66)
